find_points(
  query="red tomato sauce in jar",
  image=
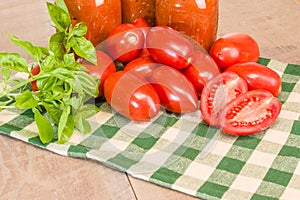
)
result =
(134, 9)
(100, 16)
(196, 18)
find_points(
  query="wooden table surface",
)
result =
(27, 172)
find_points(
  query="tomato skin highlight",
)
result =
(176, 92)
(143, 65)
(125, 42)
(250, 113)
(131, 96)
(104, 68)
(35, 71)
(202, 69)
(168, 47)
(234, 48)
(218, 92)
(258, 76)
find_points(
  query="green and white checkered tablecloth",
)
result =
(183, 153)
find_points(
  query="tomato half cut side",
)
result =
(250, 113)
(219, 91)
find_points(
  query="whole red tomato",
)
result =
(234, 48)
(34, 71)
(219, 91)
(104, 68)
(143, 65)
(169, 47)
(250, 113)
(125, 42)
(202, 69)
(131, 95)
(176, 92)
(142, 24)
(258, 76)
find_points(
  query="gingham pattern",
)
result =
(183, 153)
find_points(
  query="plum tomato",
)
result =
(104, 68)
(258, 76)
(169, 47)
(250, 113)
(176, 92)
(34, 71)
(143, 65)
(234, 48)
(202, 69)
(131, 95)
(219, 91)
(142, 24)
(125, 42)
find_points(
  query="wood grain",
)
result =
(27, 172)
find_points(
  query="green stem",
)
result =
(21, 84)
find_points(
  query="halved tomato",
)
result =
(219, 91)
(250, 113)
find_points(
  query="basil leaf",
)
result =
(82, 124)
(34, 51)
(62, 5)
(46, 131)
(48, 64)
(13, 61)
(69, 59)
(88, 110)
(65, 125)
(56, 44)
(46, 83)
(26, 100)
(63, 74)
(79, 29)
(5, 72)
(68, 130)
(59, 16)
(53, 112)
(83, 48)
(87, 83)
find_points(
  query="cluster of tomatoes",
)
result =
(164, 69)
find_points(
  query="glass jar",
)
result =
(133, 9)
(196, 18)
(100, 16)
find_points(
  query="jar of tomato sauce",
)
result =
(196, 18)
(133, 9)
(100, 16)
